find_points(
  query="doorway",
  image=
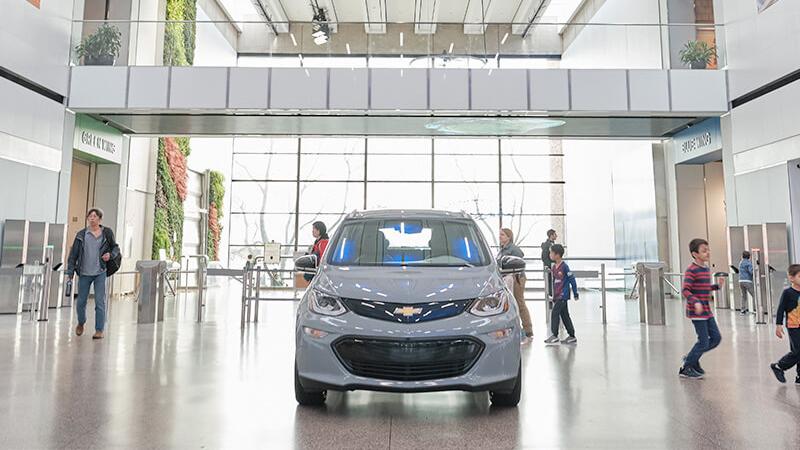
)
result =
(81, 197)
(701, 211)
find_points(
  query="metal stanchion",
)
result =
(201, 286)
(758, 305)
(44, 297)
(603, 290)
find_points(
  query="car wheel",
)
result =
(307, 398)
(509, 399)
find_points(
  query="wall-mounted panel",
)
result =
(599, 90)
(399, 89)
(349, 89)
(699, 90)
(500, 90)
(297, 88)
(248, 88)
(649, 90)
(198, 88)
(98, 87)
(148, 87)
(449, 89)
(549, 89)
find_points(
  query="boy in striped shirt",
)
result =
(697, 288)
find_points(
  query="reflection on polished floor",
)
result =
(185, 385)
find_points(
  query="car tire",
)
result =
(307, 398)
(508, 399)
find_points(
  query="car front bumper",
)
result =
(495, 369)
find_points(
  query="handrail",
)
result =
(485, 24)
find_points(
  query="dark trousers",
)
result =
(561, 312)
(708, 338)
(793, 357)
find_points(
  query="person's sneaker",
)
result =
(778, 372)
(570, 340)
(79, 330)
(743, 312)
(797, 380)
(525, 341)
(551, 340)
(98, 335)
(699, 369)
(689, 372)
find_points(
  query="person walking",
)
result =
(697, 288)
(563, 282)
(789, 309)
(516, 282)
(320, 233)
(547, 262)
(92, 249)
(746, 280)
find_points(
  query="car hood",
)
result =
(409, 284)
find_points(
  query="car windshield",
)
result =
(425, 242)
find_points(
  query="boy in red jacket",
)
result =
(697, 288)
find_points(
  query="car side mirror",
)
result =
(306, 264)
(511, 265)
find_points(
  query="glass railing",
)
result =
(398, 45)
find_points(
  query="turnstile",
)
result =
(151, 291)
(776, 263)
(722, 296)
(15, 239)
(57, 239)
(754, 238)
(651, 292)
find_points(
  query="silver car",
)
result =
(408, 301)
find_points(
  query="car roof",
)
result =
(406, 214)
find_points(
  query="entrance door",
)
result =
(80, 198)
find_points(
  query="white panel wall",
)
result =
(292, 88)
(499, 89)
(148, 87)
(220, 89)
(35, 43)
(399, 89)
(760, 47)
(449, 89)
(249, 88)
(611, 47)
(599, 90)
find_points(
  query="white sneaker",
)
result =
(551, 340)
(526, 340)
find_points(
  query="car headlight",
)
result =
(325, 304)
(491, 305)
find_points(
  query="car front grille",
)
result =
(405, 313)
(407, 360)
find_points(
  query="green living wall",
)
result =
(171, 179)
(216, 198)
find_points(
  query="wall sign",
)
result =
(98, 140)
(764, 4)
(698, 141)
(36, 3)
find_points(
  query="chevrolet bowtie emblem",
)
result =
(408, 311)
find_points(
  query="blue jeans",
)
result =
(708, 338)
(99, 282)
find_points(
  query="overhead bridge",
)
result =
(381, 101)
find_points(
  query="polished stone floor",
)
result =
(184, 385)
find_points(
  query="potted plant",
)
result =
(697, 54)
(100, 48)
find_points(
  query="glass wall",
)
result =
(281, 185)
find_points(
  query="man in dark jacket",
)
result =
(92, 248)
(548, 263)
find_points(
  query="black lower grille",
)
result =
(407, 360)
